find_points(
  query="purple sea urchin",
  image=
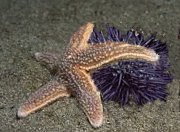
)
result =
(139, 81)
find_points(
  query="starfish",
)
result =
(73, 71)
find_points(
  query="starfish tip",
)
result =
(21, 113)
(97, 122)
(37, 54)
(155, 56)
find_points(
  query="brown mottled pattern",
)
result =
(97, 55)
(80, 38)
(87, 95)
(73, 73)
(46, 94)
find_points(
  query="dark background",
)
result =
(29, 26)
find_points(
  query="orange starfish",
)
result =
(73, 70)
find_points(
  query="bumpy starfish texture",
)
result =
(73, 72)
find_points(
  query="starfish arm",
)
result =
(100, 54)
(88, 97)
(80, 38)
(49, 60)
(45, 95)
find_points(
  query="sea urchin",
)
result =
(138, 81)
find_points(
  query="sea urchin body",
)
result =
(135, 80)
